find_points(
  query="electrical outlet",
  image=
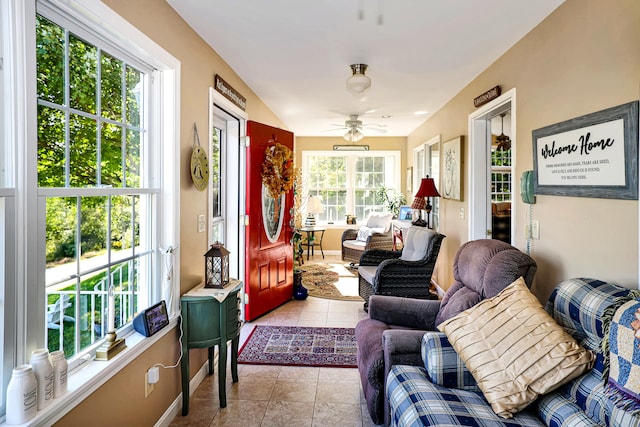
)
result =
(148, 387)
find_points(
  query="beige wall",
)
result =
(583, 58)
(199, 64)
(333, 235)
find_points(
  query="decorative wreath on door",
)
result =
(277, 169)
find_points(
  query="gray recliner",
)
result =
(393, 332)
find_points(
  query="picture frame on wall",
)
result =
(410, 180)
(595, 155)
(452, 157)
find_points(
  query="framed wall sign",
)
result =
(452, 176)
(595, 155)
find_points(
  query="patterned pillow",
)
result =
(514, 349)
(623, 385)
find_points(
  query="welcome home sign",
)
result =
(595, 155)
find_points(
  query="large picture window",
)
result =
(347, 183)
(89, 188)
(99, 206)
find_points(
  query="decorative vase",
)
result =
(299, 291)
(21, 396)
(60, 368)
(43, 370)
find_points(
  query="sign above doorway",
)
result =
(230, 93)
(489, 95)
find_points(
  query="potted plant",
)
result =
(391, 200)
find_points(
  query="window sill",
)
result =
(90, 376)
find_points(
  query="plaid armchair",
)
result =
(439, 390)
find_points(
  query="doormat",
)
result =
(300, 346)
(330, 281)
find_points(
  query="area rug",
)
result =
(300, 346)
(331, 281)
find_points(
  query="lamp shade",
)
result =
(314, 205)
(427, 188)
(418, 203)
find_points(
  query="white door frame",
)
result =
(480, 164)
(234, 182)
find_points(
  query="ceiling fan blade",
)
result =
(334, 129)
(377, 130)
(377, 125)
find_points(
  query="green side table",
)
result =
(210, 317)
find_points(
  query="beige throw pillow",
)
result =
(514, 349)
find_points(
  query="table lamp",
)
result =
(314, 206)
(427, 189)
(419, 204)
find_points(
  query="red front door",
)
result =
(268, 252)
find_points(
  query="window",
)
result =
(347, 183)
(89, 190)
(216, 199)
(426, 162)
(92, 168)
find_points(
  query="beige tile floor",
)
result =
(285, 395)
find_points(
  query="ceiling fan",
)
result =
(354, 128)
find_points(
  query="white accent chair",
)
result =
(374, 234)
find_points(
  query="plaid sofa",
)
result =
(444, 393)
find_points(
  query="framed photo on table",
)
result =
(452, 169)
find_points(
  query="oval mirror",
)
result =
(272, 215)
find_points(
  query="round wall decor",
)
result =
(199, 169)
(199, 164)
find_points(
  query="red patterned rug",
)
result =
(300, 346)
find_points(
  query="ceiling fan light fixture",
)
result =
(353, 135)
(358, 83)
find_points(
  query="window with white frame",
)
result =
(93, 165)
(89, 192)
(348, 183)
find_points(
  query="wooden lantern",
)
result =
(216, 267)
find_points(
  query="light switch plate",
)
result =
(202, 224)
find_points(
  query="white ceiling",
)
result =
(295, 54)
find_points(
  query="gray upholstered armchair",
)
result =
(375, 233)
(405, 273)
(393, 332)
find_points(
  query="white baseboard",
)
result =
(176, 407)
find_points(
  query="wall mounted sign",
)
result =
(595, 155)
(489, 95)
(230, 93)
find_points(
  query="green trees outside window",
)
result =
(90, 172)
